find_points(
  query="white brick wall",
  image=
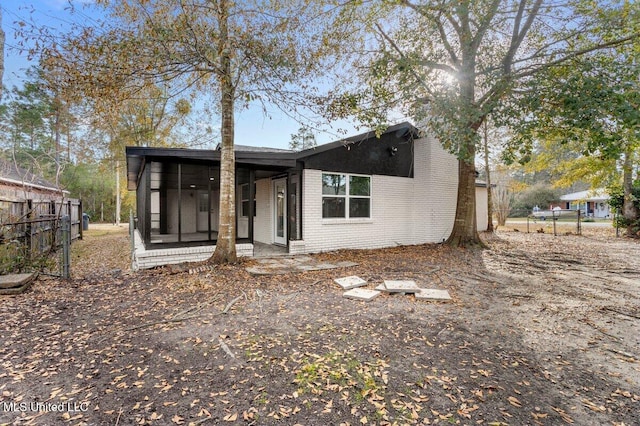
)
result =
(144, 259)
(436, 175)
(404, 210)
(482, 209)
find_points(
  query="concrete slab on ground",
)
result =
(348, 283)
(364, 294)
(433, 294)
(402, 286)
(15, 283)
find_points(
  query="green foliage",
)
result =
(12, 256)
(303, 139)
(587, 104)
(344, 370)
(542, 196)
(94, 184)
(616, 201)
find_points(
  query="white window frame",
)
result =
(347, 197)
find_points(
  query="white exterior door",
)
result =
(202, 218)
(280, 211)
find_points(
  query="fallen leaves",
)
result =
(230, 417)
(309, 357)
(514, 401)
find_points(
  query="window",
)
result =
(203, 202)
(346, 196)
(244, 200)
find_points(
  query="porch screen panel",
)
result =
(155, 196)
(294, 207)
(142, 205)
(242, 202)
(195, 202)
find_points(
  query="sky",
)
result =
(252, 126)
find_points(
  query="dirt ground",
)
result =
(541, 330)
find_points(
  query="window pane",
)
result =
(332, 207)
(245, 192)
(359, 185)
(245, 208)
(359, 207)
(204, 202)
(334, 184)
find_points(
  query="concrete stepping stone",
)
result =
(433, 294)
(392, 286)
(364, 294)
(12, 284)
(350, 282)
(346, 264)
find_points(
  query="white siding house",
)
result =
(591, 203)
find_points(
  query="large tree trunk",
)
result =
(226, 246)
(629, 210)
(465, 229)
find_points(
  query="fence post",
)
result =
(81, 218)
(66, 247)
(29, 229)
(579, 230)
(132, 231)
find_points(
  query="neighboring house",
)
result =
(30, 207)
(361, 192)
(591, 203)
(20, 187)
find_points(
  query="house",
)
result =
(360, 192)
(591, 203)
(30, 207)
(20, 188)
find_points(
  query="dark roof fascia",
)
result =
(286, 159)
(187, 153)
(404, 127)
(206, 154)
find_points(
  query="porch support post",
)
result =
(252, 195)
(299, 214)
(209, 202)
(146, 215)
(179, 202)
(290, 208)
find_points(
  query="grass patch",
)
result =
(342, 373)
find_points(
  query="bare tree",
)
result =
(503, 195)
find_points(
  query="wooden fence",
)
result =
(31, 228)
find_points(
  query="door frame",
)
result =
(280, 240)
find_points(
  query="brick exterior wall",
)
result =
(403, 210)
(145, 259)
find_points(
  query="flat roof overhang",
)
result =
(138, 156)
